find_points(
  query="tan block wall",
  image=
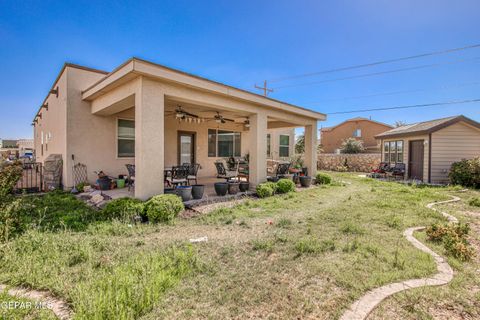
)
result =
(362, 162)
(454, 143)
(332, 140)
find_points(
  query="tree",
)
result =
(400, 123)
(300, 144)
(352, 145)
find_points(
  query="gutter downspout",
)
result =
(429, 158)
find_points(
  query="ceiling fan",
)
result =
(179, 113)
(220, 119)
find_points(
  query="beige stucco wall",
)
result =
(454, 143)
(406, 142)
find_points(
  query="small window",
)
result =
(223, 143)
(393, 151)
(269, 151)
(126, 138)
(357, 133)
(284, 148)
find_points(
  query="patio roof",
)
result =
(135, 67)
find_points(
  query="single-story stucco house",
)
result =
(429, 148)
(153, 116)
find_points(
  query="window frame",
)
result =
(280, 145)
(357, 135)
(388, 152)
(116, 138)
(216, 143)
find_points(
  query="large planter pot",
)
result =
(104, 183)
(233, 187)
(169, 191)
(185, 192)
(197, 191)
(244, 186)
(221, 188)
(305, 181)
(272, 179)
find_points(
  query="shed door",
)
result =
(415, 160)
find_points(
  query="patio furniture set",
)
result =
(388, 171)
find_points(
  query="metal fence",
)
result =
(32, 178)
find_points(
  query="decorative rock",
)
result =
(96, 199)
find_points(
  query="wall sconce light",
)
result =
(425, 142)
(54, 91)
(45, 106)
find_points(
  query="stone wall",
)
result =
(361, 162)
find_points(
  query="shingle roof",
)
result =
(354, 119)
(426, 127)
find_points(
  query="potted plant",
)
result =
(185, 192)
(305, 181)
(169, 191)
(233, 187)
(244, 186)
(197, 191)
(221, 188)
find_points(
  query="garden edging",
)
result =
(361, 308)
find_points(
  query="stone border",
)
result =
(361, 308)
(60, 308)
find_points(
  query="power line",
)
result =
(396, 92)
(409, 107)
(377, 73)
(434, 53)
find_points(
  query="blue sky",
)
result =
(243, 42)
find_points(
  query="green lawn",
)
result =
(307, 254)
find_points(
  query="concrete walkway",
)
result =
(361, 308)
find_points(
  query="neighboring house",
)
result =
(364, 129)
(154, 117)
(429, 148)
(16, 147)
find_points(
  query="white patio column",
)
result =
(149, 139)
(311, 148)
(258, 149)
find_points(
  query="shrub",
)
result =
(475, 202)
(323, 178)
(454, 239)
(9, 176)
(352, 145)
(123, 209)
(285, 186)
(163, 208)
(10, 221)
(81, 186)
(264, 190)
(272, 185)
(466, 173)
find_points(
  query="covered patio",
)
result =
(166, 118)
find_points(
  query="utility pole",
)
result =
(264, 88)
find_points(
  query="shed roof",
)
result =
(426, 127)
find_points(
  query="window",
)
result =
(393, 151)
(357, 133)
(223, 143)
(126, 138)
(284, 149)
(269, 151)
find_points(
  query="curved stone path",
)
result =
(361, 308)
(60, 308)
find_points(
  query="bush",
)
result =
(475, 202)
(352, 145)
(323, 178)
(272, 185)
(264, 190)
(9, 176)
(124, 209)
(163, 208)
(285, 186)
(10, 221)
(466, 173)
(454, 239)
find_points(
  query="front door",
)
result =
(186, 147)
(415, 160)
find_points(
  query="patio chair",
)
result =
(282, 170)
(192, 171)
(179, 176)
(131, 175)
(397, 171)
(383, 167)
(223, 173)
